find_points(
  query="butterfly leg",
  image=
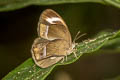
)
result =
(62, 60)
(74, 52)
(66, 57)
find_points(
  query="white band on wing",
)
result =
(51, 20)
(46, 32)
(44, 52)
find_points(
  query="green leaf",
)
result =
(113, 2)
(115, 78)
(29, 71)
(113, 44)
(7, 5)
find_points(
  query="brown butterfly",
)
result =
(54, 40)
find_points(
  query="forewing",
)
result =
(57, 47)
(51, 26)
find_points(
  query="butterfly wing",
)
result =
(48, 62)
(54, 42)
(43, 50)
(58, 47)
(39, 49)
(51, 26)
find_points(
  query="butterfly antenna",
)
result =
(80, 36)
(76, 36)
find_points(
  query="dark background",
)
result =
(18, 29)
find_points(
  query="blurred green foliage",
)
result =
(7, 5)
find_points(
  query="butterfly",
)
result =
(54, 40)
